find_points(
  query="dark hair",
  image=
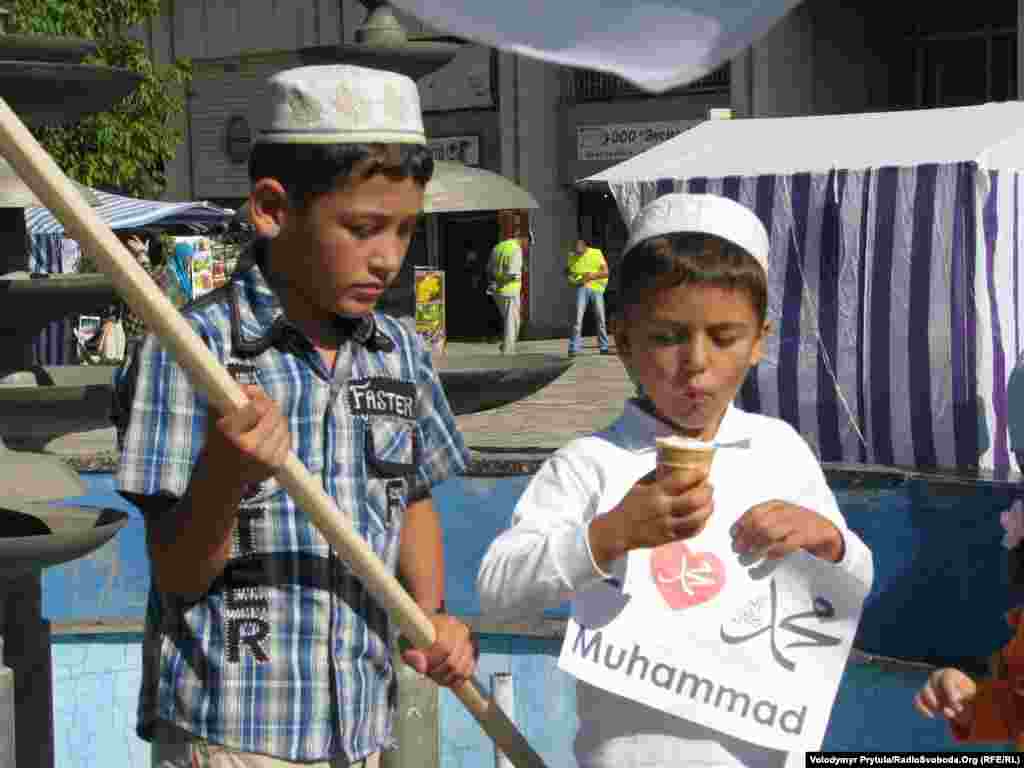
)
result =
(688, 259)
(309, 170)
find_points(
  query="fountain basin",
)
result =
(46, 92)
(73, 533)
(38, 407)
(62, 399)
(475, 383)
(69, 50)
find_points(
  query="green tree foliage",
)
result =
(127, 148)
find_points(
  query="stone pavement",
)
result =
(587, 397)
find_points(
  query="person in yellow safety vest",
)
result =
(588, 271)
(506, 269)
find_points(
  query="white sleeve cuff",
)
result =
(857, 558)
(576, 561)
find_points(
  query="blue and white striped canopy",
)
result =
(130, 213)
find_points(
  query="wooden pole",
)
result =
(38, 170)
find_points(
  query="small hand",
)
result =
(949, 693)
(251, 443)
(451, 660)
(775, 529)
(654, 512)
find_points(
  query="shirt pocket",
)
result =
(390, 446)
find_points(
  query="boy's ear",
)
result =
(268, 207)
(616, 326)
(758, 351)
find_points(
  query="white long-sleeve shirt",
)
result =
(544, 559)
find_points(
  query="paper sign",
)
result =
(430, 308)
(753, 649)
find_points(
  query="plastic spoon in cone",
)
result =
(38, 170)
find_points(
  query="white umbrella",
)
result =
(655, 44)
(457, 187)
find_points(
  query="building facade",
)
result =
(546, 127)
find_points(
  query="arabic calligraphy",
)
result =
(821, 611)
(689, 576)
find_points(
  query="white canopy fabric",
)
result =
(655, 44)
(991, 135)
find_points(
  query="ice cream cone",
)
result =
(676, 453)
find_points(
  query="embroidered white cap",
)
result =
(339, 104)
(708, 214)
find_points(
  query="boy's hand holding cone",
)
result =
(676, 505)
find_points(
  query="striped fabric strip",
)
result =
(829, 277)
(878, 306)
(962, 345)
(51, 346)
(897, 330)
(998, 370)
(791, 303)
(918, 346)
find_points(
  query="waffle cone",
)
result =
(674, 457)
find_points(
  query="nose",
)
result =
(386, 255)
(695, 353)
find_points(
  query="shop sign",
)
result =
(460, 149)
(620, 141)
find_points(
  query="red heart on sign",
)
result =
(685, 578)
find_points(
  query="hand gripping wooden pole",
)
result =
(38, 170)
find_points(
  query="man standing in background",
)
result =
(506, 270)
(588, 271)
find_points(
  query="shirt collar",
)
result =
(258, 320)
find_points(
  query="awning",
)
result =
(455, 188)
(130, 213)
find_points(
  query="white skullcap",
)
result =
(705, 214)
(339, 104)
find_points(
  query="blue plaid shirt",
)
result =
(287, 654)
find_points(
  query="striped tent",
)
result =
(895, 277)
(51, 252)
(130, 213)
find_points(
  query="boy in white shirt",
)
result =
(693, 287)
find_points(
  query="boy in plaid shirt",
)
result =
(261, 647)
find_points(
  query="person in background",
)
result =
(135, 326)
(588, 272)
(505, 268)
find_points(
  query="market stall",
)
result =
(894, 288)
(53, 252)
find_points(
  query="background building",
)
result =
(545, 127)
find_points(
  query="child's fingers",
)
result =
(695, 498)
(952, 693)
(690, 524)
(922, 705)
(243, 419)
(678, 481)
(779, 548)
